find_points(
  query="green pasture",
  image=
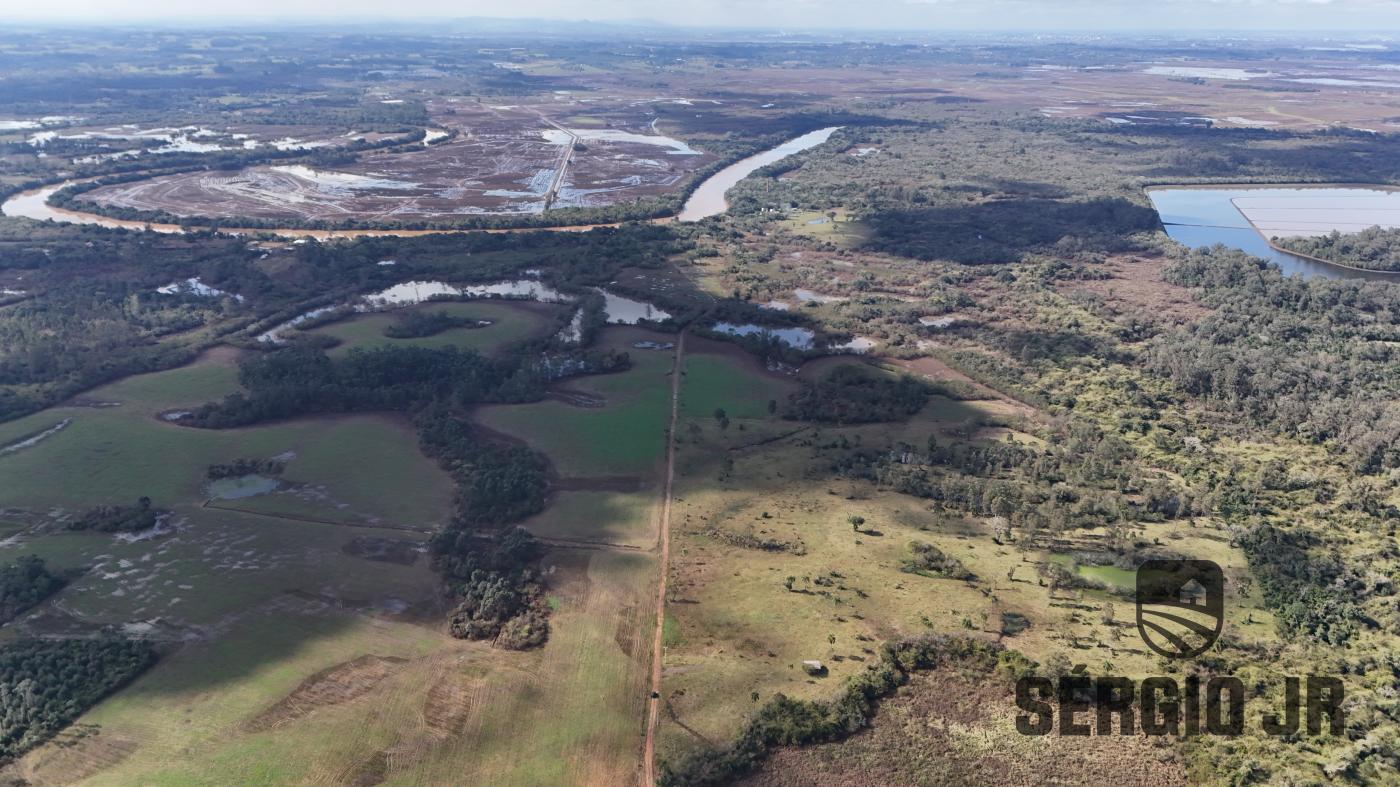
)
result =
(510, 323)
(626, 436)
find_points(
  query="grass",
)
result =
(626, 436)
(744, 631)
(670, 633)
(714, 381)
(613, 517)
(843, 231)
(369, 464)
(1112, 576)
(567, 714)
(186, 720)
(510, 323)
(269, 604)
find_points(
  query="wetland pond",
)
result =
(1110, 576)
(1245, 217)
(801, 338)
(240, 487)
(619, 310)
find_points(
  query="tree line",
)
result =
(1372, 248)
(487, 567)
(47, 683)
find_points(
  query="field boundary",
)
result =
(313, 520)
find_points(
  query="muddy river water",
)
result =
(708, 199)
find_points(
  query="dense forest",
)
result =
(1373, 248)
(852, 395)
(1310, 358)
(47, 683)
(119, 519)
(1083, 478)
(90, 311)
(25, 582)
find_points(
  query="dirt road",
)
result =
(664, 547)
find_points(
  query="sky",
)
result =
(1367, 16)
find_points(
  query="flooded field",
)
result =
(1245, 217)
(503, 160)
(240, 487)
(283, 186)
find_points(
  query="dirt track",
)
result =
(664, 544)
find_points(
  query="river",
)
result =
(707, 200)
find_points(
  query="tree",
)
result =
(856, 522)
(721, 418)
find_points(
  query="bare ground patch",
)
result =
(331, 686)
(575, 398)
(73, 755)
(1137, 288)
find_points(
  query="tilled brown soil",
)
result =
(331, 686)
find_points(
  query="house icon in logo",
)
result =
(1193, 593)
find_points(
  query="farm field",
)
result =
(510, 323)
(384, 696)
(116, 452)
(623, 437)
(292, 629)
(595, 515)
(841, 230)
(721, 377)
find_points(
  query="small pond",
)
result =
(626, 311)
(240, 487)
(801, 338)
